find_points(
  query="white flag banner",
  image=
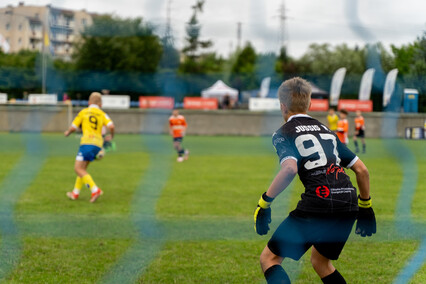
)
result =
(264, 87)
(366, 84)
(336, 85)
(4, 44)
(389, 86)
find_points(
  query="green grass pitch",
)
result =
(160, 221)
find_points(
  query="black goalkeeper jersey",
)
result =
(321, 159)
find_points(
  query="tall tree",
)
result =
(321, 59)
(116, 44)
(404, 57)
(419, 67)
(193, 55)
(411, 58)
(19, 72)
(243, 74)
(285, 64)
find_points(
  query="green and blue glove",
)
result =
(262, 215)
(366, 224)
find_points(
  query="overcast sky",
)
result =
(307, 21)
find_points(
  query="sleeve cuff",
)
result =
(352, 162)
(286, 158)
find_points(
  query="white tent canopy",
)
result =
(219, 90)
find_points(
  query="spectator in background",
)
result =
(343, 127)
(332, 119)
(359, 131)
(226, 104)
(78, 97)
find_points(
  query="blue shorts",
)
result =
(87, 153)
(177, 139)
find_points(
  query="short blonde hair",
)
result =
(295, 94)
(95, 98)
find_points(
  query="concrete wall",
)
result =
(221, 122)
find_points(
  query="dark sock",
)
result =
(356, 145)
(363, 148)
(276, 275)
(181, 152)
(334, 278)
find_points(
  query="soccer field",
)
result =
(160, 221)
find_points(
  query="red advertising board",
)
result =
(354, 105)
(156, 102)
(200, 103)
(319, 105)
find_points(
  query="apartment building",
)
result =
(38, 27)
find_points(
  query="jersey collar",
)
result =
(297, 115)
(93, 105)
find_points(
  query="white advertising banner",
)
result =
(116, 101)
(264, 87)
(366, 84)
(262, 104)
(3, 98)
(389, 86)
(43, 99)
(336, 85)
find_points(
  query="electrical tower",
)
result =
(168, 37)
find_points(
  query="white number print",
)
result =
(326, 136)
(316, 148)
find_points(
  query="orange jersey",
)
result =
(177, 125)
(342, 130)
(359, 123)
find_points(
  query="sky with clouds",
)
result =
(354, 22)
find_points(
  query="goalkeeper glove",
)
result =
(262, 215)
(366, 225)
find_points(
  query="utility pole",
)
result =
(239, 35)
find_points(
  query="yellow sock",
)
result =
(87, 179)
(77, 186)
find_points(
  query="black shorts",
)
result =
(177, 139)
(360, 133)
(296, 234)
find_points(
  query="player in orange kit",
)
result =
(343, 127)
(177, 127)
(359, 131)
